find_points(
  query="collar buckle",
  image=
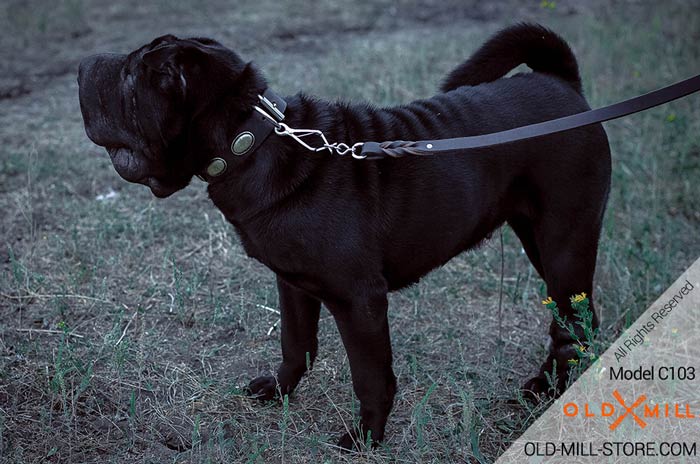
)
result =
(271, 107)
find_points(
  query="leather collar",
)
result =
(249, 136)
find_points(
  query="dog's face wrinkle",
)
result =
(153, 137)
(130, 90)
(148, 148)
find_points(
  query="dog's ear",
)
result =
(164, 57)
(172, 59)
(169, 52)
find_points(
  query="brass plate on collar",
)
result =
(242, 143)
(216, 167)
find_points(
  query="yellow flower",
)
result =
(578, 298)
(581, 348)
(547, 301)
(573, 361)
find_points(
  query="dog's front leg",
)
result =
(299, 313)
(364, 328)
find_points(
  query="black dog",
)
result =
(345, 232)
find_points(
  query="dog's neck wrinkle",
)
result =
(362, 122)
(351, 123)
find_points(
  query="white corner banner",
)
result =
(639, 402)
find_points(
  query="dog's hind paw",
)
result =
(539, 388)
(263, 388)
(535, 388)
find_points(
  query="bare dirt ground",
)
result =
(129, 325)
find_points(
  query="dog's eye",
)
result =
(164, 82)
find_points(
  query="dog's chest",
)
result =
(281, 250)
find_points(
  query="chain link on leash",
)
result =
(340, 149)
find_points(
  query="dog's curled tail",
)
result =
(536, 46)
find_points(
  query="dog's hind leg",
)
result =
(568, 257)
(522, 227)
(299, 313)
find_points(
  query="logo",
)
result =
(628, 410)
(638, 411)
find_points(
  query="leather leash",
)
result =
(398, 149)
(269, 114)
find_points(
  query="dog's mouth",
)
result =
(127, 164)
(160, 189)
(134, 168)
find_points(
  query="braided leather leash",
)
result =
(398, 148)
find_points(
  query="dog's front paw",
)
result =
(354, 441)
(347, 442)
(263, 388)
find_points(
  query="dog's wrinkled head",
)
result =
(142, 107)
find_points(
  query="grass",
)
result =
(128, 326)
